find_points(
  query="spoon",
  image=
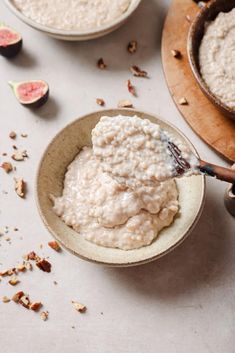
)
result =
(182, 166)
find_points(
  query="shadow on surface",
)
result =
(24, 60)
(49, 111)
(198, 262)
(147, 19)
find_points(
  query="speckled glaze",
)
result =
(60, 153)
(76, 35)
(207, 14)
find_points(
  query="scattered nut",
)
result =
(19, 156)
(31, 256)
(44, 315)
(44, 265)
(5, 299)
(24, 301)
(125, 104)
(136, 71)
(13, 281)
(183, 101)
(131, 88)
(20, 187)
(24, 135)
(101, 65)
(12, 135)
(21, 267)
(54, 245)
(7, 167)
(28, 266)
(100, 102)
(35, 306)
(176, 53)
(17, 296)
(79, 307)
(132, 46)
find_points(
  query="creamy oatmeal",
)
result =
(72, 14)
(217, 57)
(106, 211)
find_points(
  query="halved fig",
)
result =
(32, 94)
(10, 41)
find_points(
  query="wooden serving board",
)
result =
(215, 129)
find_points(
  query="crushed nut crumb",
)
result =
(7, 167)
(19, 155)
(101, 64)
(131, 88)
(132, 46)
(125, 104)
(176, 54)
(136, 71)
(13, 281)
(17, 296)
(183, 101)
(44, 265)
(100, 102)
(20, 187)
(24, 301)
(12, 135)
(35, 306)
(79, 307)
(44, 315)
(5, 299)
(24, 135)
(54, 245)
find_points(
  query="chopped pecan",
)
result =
(44, 265)
(12, 135)
(17, 296)
(132, 46)
(20, 187)
(7, 167)
(32, 256)
(101, 64)
(19, 155)
(13, 281)
(136, 71)
(5, 299)
(79, 307)
(24, 135)
(35, 306)
(125, 104)
(21, 267)
(183, 101)
(131, 88)
(44, 315)
(24, 301)
(176, 53)
(54, 245)
(100, 102)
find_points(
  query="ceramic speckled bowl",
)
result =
(207, 14)
(60, 153)
(75, 35)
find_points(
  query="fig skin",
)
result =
(11, 49)
(39, 103)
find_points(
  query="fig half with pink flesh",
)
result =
(32, 94)
(10, 42)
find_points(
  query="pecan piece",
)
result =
(13, 281)
(54, 245)
(44, 315)
(7, 167)
(5, 299)
(136, 71)
(131, 88)
(176, 54)
(17, 296)
(101, 64)
(132, 46)
(44, 265)
(12, 135)
(19, 155)
(100, 102)
(79, 307)
(125, 104)
(20, 187)
(183, 101)
(35, 306)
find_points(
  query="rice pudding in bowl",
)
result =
(64, 150)
(74, 19)
(217, 57)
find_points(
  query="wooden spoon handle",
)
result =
(218, 172)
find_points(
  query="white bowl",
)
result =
(77, 35)
(60, 153)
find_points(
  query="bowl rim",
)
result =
(119, 264)
(73, 33)
(194, 67)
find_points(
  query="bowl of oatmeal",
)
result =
(98, 196)
(74, 20)
(211, 52)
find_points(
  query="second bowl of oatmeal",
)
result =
(211, 52)
(73, 20)
(118, 238)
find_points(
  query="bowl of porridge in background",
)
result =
(73, 20)
(50, 181)
(211, 43)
